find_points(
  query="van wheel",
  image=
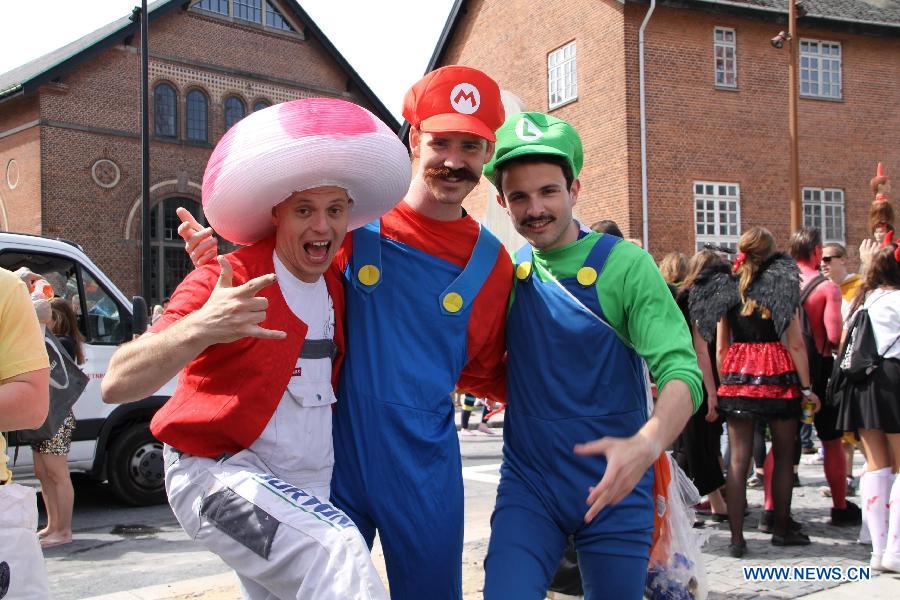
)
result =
(135, 468)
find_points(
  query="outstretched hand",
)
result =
(232, 313)
(199, 242)
(627, 459)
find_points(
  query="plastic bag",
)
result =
(22, 571)
(677, 570)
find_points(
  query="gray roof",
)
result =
(45, 68)
(884, 13)
(26, 78)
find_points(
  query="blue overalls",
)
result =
(397, 463)
(571, 380)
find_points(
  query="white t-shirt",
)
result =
(296, 443)
(884, 313)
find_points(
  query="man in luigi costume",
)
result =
(588, 315)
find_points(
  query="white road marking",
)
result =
(477, 473)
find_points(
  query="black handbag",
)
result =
(67, 382)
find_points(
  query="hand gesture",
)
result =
(232, 313)
(627, 459)
(867, 250)
(199, 242)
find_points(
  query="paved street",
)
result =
(143, 550)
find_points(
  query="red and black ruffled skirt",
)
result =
(759, 380)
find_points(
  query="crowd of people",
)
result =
(768, 327)
(313, 407)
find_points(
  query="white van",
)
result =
(110, 442)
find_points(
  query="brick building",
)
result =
(716, 100)
(70, 146)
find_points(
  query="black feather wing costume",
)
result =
(775, 286)
(713, 294)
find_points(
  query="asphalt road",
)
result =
(119, 548)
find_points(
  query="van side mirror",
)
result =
(139, 315)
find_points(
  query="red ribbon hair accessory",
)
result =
(738, 261)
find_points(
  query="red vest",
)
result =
(226, 396)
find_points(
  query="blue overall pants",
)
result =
(397, 463)
(571, 380)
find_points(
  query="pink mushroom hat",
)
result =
(296, 146)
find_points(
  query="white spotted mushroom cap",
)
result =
(296, 146)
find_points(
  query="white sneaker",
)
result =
(465, 432)
(485, 429)
(875, 562)
(890, 562)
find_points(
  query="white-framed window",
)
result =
(562, 86)
(724, 53)
(820, 69)
(717, 214)
(824, 208)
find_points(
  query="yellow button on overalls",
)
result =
(453, 302)
(368, 275)
(586, 276)
(523, 270)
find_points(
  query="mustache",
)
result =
(445, 172)
(529, 220)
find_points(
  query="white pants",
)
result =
(283, 542)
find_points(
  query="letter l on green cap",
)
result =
(536, 133)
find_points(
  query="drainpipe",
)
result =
(644, 208)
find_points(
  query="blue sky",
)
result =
(388, 42)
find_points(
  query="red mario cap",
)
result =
(455, 99)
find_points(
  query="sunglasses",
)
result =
(827, 259)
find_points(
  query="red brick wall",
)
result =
(21, 205)
(695, 131)
(104, 93)
(510, 41)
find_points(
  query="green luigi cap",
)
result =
(536, 133)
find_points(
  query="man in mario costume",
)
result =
(426, 290)
(260, 339)
(589, 313)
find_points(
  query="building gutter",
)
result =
(645, 216)
(10, 91)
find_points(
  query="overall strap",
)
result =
(598, 255)
(365, 264)
(582, 288)
(524, 261)
(460, 294)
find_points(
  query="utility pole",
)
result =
(793, 93)
(145, 151)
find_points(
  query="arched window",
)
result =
(169, 263)
(234, 111)
(164, 113)
(260, 104)
(197, 109)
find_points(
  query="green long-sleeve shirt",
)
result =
(637, 304)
